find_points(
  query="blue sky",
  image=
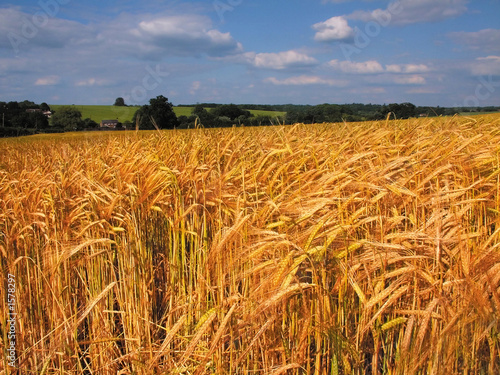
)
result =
(428, 52)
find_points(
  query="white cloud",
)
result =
(304, 80)
(333, 29)
(484, 66)
(406, 12)
(47, 81)
(407, 68)
(374, 67)
(486, 40)
(185, 35)
(21, 31)
(367, 67)
(279, 60)
(374, 73)
(396, 79)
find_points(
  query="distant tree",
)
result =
(27, 104)
(3, 113)
(13, 107)
(400, 111)
(68, 118)
(204, 117)
(260, 120)
(403, 110)
(222, 122)
(44, 107)
(88, 123)
(37, 120)
(159, 110)
(199, 110)
(183, 122)
(20, 118)
(128, 125)
(231, 111)
(120, 102)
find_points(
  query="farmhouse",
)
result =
(110, 124)
(48, 114)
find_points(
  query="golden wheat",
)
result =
(323, 249)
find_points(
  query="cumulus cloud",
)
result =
(279, 60)
(185, 35)
(333, 29)
(406, 12)
(304, 80)
(486, 40)
(21, 31)
(367, 67)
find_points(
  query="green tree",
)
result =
(27, 120)
(44, 107)
(183, 122)
(88, 123)
(159, 111)
(205, 118)
(67, 118)
(37, 120)
(120, 102)
(232, 111)
(28, 104)
(400, 111)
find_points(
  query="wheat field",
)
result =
(360, 248)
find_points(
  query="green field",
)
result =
(103, 112)
(109, 112)
(267, 113)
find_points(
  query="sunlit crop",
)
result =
(309, 249)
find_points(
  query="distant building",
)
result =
(110, 124)
(47, 114)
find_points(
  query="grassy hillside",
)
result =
(356, 248)
(103, 112)
(183, 111)
(109, 112)
(267, 113)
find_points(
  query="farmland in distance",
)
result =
(109, 112)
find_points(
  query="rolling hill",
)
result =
(122, 114)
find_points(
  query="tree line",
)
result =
(27, 117)
(21, 118)
(226, 115)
